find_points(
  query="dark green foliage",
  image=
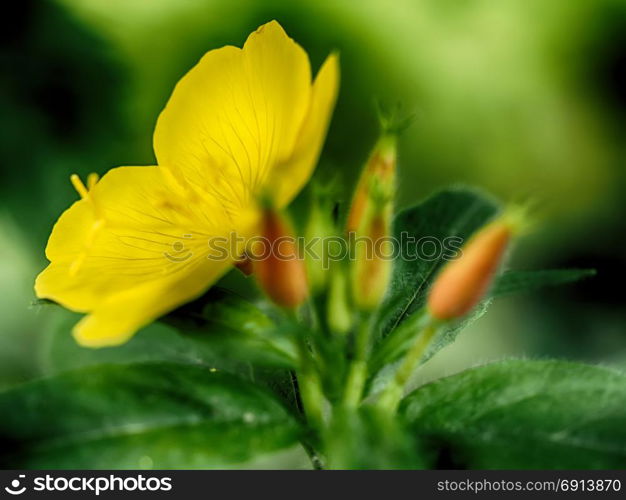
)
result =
(523, 414)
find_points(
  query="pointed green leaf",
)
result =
(162, 415)
(509, 282)
(448, 218)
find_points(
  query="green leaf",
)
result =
(449, 217)
(157, 342)
(234, 347)
(523, 414)
(526, 281)
(162, 415)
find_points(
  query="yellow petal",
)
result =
(288, 178)
(117, 318)
(236, 114)
(133, 248)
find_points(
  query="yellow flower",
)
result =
(242, 124)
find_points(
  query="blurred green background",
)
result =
(524, 98)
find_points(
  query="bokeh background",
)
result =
(524, 98)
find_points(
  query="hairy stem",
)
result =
(391, 396)
(357, 374)
(310, 386)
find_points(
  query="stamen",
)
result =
(92, 180)
(84, 193)
(79, 186)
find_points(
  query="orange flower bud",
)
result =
(463, 283)
(380, 168)
(279, 269)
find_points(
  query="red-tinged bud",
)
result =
(279, 269)
(373, 257)
(463, 283)
(381, 170)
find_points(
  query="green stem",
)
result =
(312, 398)
(309, 382)
(357, 374)
(391, 396)
(310, 387)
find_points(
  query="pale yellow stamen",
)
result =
(85, 194)
(79, 186)
(83, 191)
(92, 180)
